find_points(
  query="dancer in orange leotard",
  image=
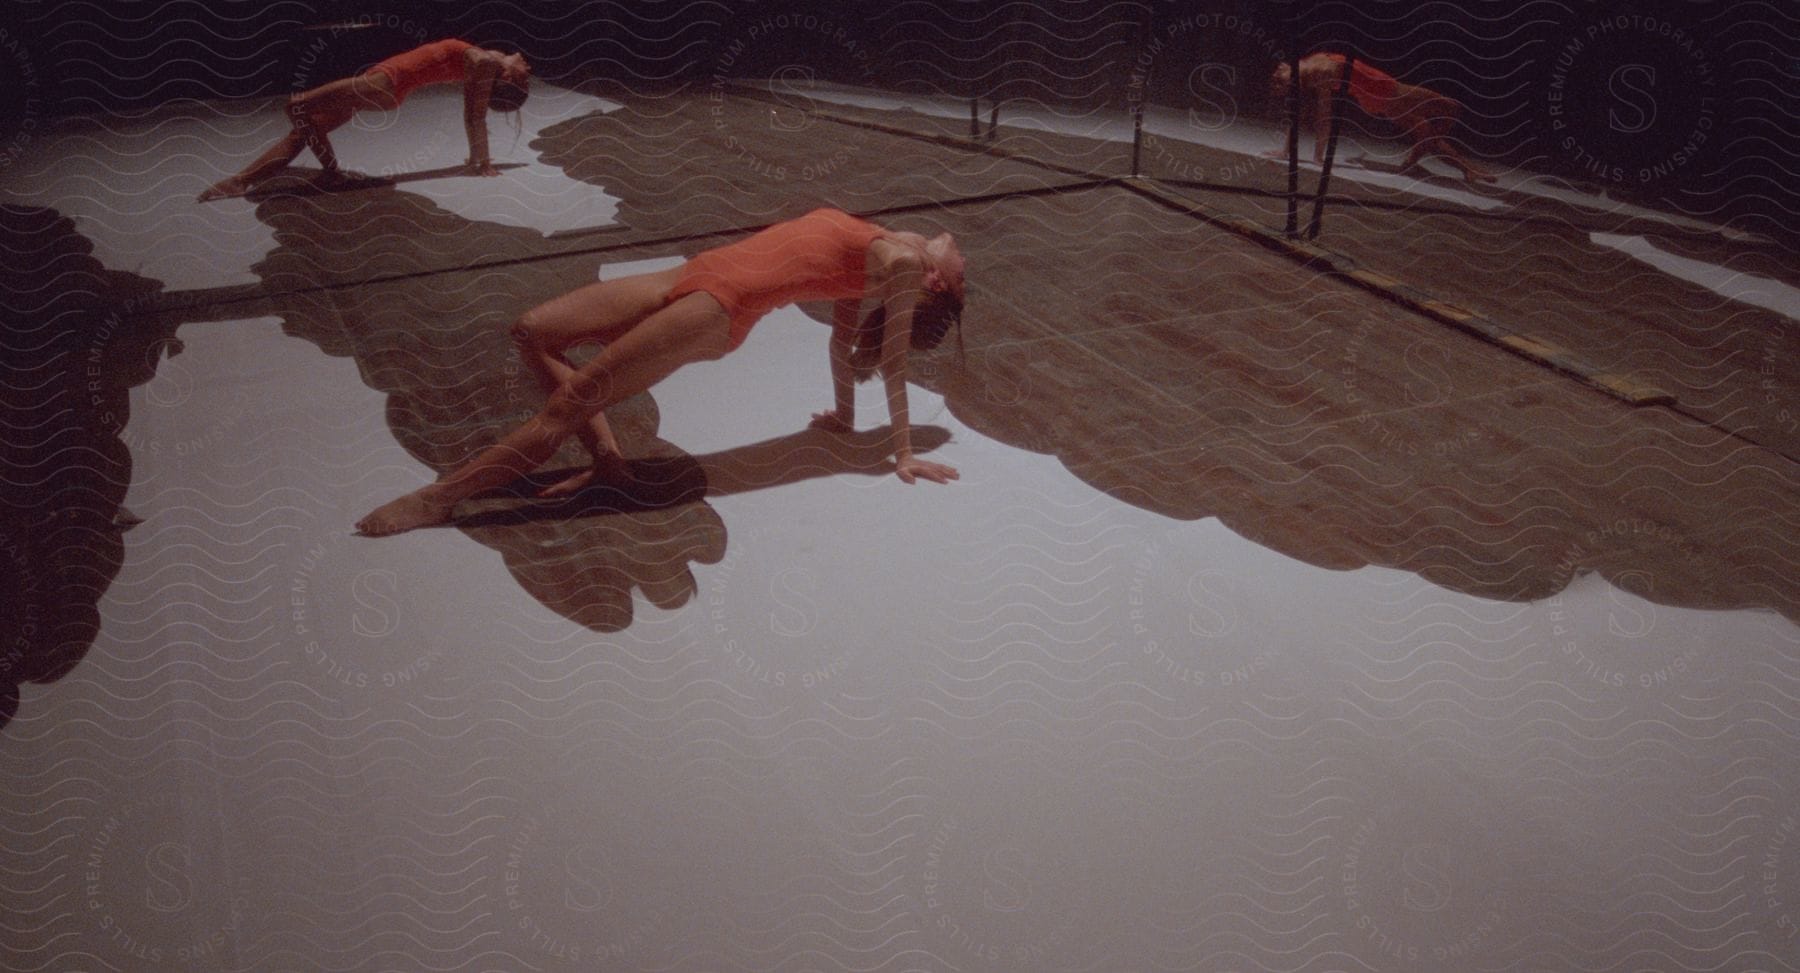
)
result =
(490, 80)
(652, 324)
(1426, 116)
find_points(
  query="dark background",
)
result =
(1079, 56)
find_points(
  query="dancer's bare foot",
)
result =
(406, 513)
(611, 468)
(232, 186)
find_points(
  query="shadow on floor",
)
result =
(436, 345)
(1180, 371)
(301, 181)
(1178, 368)
(70, 358)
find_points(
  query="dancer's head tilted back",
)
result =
(945, 287)
(933, 318)
(1281, 82)
(507, 97)
(512, 86)
(938, 310)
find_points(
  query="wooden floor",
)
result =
(1190, 372)
(1187, 376)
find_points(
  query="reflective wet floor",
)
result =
(1272, 625)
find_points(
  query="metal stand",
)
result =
(1339, 98)
(1293, 193)
(1139, 94)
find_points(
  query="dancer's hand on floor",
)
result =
(831, 422)
(912, 469)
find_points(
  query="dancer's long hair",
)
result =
(507, 97)
(933, 318)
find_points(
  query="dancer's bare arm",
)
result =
(1315, 100)
(903, 285)
(842, 417)
(1319, 77)
(477, 90)
(1321, 122)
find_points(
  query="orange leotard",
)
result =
(435, 63)
(1373, 88)
(820, 256)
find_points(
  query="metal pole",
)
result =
(1293, 193)
(1139, 90)
(1338, 99)
(993, 120)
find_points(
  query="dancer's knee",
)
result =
(312, 119)
(524, 333)
(575, 401)
(531, 339)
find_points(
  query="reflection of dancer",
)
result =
(490, 79)
(652, 324)
(1426, 116)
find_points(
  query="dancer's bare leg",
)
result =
(266, 165)
(693, 328)
(595, 313)
(605, 458)
(312, 114)
(1412, 164)
(1412, 110)
(1428, 121)
(1443, 148)
(1472, 173)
